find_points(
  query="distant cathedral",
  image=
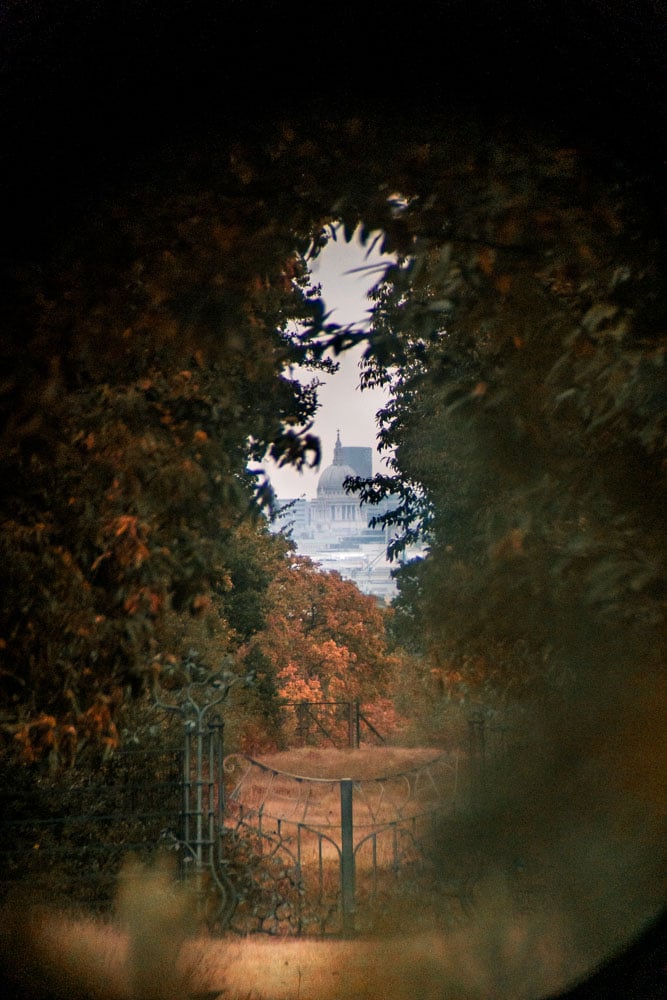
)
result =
(333, 528)
(334, 509)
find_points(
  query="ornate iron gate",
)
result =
(321, 853)
(197, 837)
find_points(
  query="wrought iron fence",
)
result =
(65, 836)
(329, 723)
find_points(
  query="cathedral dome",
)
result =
(331, 480)
(333, 477)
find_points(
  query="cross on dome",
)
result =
(338, 451)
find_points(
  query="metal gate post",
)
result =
(217, 729)
(202, 821)
(347, 875)
(199, 796)
(187, 729)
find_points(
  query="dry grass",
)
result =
(153, 951)
(488, 958)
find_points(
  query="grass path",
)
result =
(489, 960)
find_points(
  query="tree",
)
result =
(143, 375)
(525, 356)
(323, 640)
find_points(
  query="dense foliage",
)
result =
(156, 268)
(520, 332)
(143, 374)
(525, 354)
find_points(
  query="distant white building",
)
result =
(333, 528)
(335, 511)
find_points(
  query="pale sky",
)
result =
(342, 404)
